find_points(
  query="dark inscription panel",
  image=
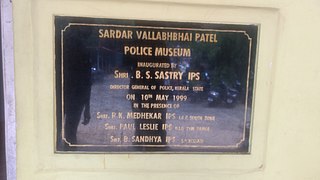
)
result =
(153, 86)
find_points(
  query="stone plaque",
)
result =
(153, 86)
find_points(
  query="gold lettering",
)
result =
(173, 52)
(100, 33)
(102, 116)
(115, 34)
(149, 127)
(173, 75)
(164, 36)
(118, 74)
(206, 37)
(138, 50)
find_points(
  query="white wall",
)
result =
(9, 89)
(286, 130)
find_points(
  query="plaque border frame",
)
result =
(161, 28)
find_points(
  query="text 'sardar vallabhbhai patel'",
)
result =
(169, 36)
